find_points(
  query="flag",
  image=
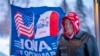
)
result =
(34, 30)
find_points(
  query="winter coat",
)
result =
(83, 44)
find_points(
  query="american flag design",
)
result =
(24, 24)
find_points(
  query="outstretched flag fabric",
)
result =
(34, 30)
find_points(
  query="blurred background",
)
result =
(84, 8)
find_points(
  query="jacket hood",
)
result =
(75, 22)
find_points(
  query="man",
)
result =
(73, 41)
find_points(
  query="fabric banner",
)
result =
(34, 30)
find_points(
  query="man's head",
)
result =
(68, 27)
(70, 24)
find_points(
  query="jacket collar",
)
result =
(79, 35)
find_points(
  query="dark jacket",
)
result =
(83, 44)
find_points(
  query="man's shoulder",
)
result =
(80, 34)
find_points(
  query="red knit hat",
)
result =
(75, 22)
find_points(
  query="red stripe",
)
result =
(19, 22)
(17, 15)
(28, 31)
(25, 34)
(23, 26)
(18, 19)
(54, 17)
